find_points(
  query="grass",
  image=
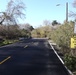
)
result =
(6, 42)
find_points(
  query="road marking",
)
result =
(26, 46)
(5, 60)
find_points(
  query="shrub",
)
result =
(70, 62)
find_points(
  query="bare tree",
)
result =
(46, 22)
(73, 13)
(74, 4)
(13, 12)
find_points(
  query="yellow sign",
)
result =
(73, 42)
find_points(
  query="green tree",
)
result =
(54, 22)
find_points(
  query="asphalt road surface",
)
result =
(30, 57)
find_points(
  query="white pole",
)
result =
(75, 28)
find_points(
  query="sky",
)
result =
(38, 11)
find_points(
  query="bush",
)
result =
(6, 42)
(70, 62)
(62, 36)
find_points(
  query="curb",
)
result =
(4, 46)
(60, 59)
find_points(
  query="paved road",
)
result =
(30, 57)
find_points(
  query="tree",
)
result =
(41, 32)
(46, 22)
(74, 3)
(28, 27)
(13, 32)
(54, 22)
(13, 12)
(73, 14)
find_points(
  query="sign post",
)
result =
(75, 28)
(73, 39)
(73, 42)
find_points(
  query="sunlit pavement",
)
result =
(30, 57)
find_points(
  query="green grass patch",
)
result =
(6, 42)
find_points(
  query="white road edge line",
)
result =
(60, 59)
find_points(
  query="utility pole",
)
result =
(66, 19)
(66, 12)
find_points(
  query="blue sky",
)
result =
(39, 10)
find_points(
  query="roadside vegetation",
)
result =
(6, 42)
(61, 34)
(10, 29)
(12, 33)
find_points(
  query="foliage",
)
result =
(70, 62)
(13, 32)
(6, 42)
(24, 33)
(41, 32)
(28, 27)
(63, 34)
(54, 22)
